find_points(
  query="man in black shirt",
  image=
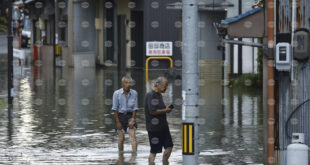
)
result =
(156, 121)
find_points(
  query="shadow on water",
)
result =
(65, 117)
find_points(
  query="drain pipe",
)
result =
(271, 99)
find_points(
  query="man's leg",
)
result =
(133, 158)
(167, 154)
(132, 135)
(121, 137)
(120, 159)
(152, 158)
(168, 144)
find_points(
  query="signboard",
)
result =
(159, 48)
(19, 53)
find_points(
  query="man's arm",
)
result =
(153, 108)
(115, 108)
(118, 123)
(161, 111)
(116, 116)
(133, 115)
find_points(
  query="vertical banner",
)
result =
(188, 139)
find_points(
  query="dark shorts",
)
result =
(160, 139)
(124, 119)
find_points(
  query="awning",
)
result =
(203, 6)
(248, 25)
(20, 2)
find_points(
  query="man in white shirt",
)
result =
(125, 105)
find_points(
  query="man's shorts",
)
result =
(160, 139)
(124, 119)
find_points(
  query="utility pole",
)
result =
(10, 55)
(190, 82)
(240, 46)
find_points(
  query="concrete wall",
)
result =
(84, 33)
(211, 70)
(211, 55)
(208, 36)
(123, 9)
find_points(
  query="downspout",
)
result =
(271, 98)
(294, 14)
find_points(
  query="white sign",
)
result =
(19, 53)
(159, 48)
(183, 105)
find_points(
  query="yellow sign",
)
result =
(188, 139)
(58, 50)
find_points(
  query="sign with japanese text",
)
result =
(158, 48)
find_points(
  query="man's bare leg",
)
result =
(121, 137)
(133, 158)
(120, 158)
(152, 158)
(132, 135)
(167, 154)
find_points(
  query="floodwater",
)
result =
(64, 117)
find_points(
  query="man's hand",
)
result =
(119, 125)
(131, 123)
(168, 110)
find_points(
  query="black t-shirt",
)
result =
(154, 101)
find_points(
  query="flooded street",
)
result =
(65, 117)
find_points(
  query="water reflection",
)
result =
(232, 131)
(67, 114)
(64, 116)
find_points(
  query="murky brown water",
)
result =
(65, 117)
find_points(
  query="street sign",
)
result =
(159, 48)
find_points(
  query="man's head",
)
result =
(126, 83)
(161, 84)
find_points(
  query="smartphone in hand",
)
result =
(171, 106)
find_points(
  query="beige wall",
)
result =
(122, 8)
(211, 70)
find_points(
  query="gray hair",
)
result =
(126, 77)
(160, 81)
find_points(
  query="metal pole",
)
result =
(294, 14)
(245, 43)
(10, 55)
(271, 98)
(190, 82)
(240, 60)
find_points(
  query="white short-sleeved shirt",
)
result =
(123, 104)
